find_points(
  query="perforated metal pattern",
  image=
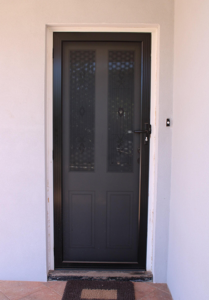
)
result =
(82, 110)
(120, 111)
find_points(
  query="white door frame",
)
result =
(155, 39)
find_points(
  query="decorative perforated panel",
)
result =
(82, 110)
(120, 111)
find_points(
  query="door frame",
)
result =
(154, 30)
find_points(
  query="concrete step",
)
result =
(121, 275)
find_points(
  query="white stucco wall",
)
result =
(188, 261)
(23, 250)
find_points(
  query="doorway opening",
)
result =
(101, 86)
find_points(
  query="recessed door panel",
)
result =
(119, 219)
(81, 219)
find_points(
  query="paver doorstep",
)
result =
(53, 290)
(44, 293)
(157, 295)
(57, 286)
(161, 286)
(151, 291)
(15, 290)
(142, 289)
(3, 297)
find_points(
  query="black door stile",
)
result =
(145, 41)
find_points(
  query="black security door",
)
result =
(101, 96)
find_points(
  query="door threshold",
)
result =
(120, 275)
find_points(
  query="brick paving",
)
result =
(53, 290)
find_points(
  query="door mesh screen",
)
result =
(82, 110)
(120, 111)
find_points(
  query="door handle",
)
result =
(147, 131)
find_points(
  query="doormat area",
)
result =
(98, 290)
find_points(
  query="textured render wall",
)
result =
(22, 116)
(188, 261)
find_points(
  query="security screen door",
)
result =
(100, 155)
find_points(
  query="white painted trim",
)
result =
(49, 148)
(154, 29)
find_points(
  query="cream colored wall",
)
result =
(22, 132)
(188, 260)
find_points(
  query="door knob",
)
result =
(147, 131)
